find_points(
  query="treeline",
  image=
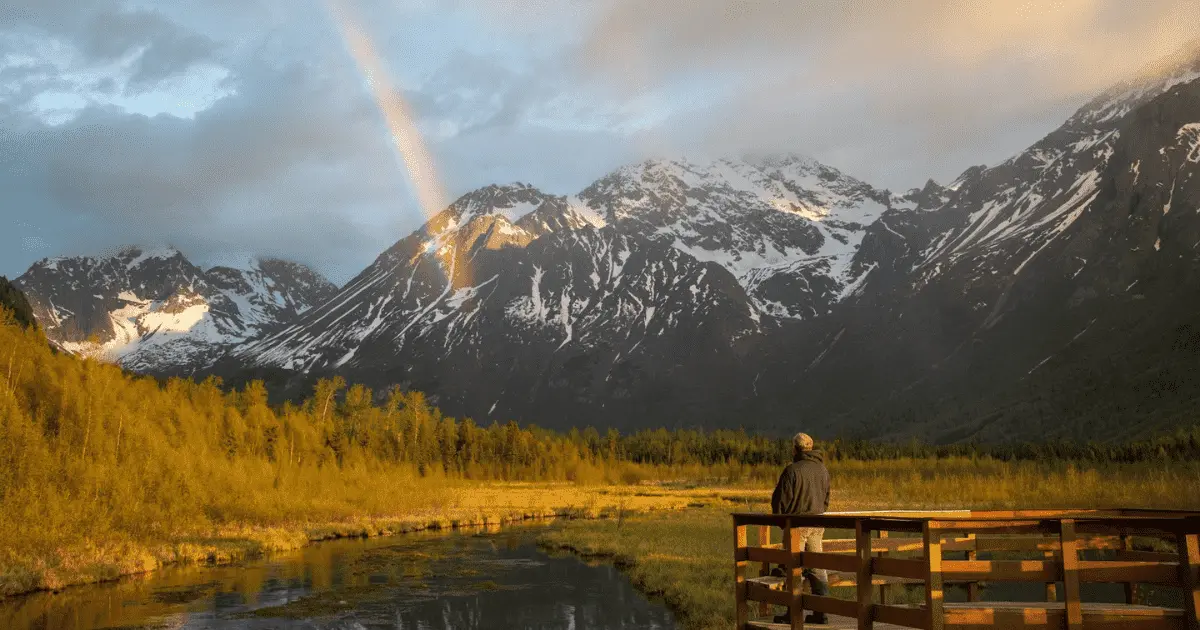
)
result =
(1182, 445)
(660, 447)
(14, 300)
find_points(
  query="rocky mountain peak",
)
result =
(153, 309)
(1157, 78)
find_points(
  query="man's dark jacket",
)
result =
(803, 487)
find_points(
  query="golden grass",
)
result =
(687, 558)
(27, 564)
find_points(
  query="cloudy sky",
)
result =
(236, 127)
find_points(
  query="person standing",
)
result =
(803, 488)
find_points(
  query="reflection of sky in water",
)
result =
(408, 582)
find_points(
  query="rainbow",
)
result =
(406, 138)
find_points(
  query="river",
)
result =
(422, 581)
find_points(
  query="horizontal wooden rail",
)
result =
(907, 616)
(758, 554)
(828, 561)
(1063, 542)
(910, 568)
(1053, 615)
(764, 593)
(830, 605)
(1002, 570)
(1165, 573)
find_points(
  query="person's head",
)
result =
(801, 443)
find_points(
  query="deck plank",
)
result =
(835, 623)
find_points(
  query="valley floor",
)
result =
(683, 557)
(26, 565)
(686, 558)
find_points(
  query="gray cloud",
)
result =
(103, 32)
(890, 91)
(279, 167)
(294, 159)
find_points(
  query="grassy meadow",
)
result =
(687, 558)
(104, 473)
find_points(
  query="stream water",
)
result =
(414, 581)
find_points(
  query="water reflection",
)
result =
(420, 581)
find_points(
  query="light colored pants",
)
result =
(810, 540)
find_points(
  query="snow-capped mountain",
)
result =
(1043, 287)
(512, 296)
(1057, 291)
(152, 310)
(785, 226)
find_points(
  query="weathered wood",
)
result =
(774, 556)
(1070, 571)
(1129, 526)
(913, 526)
(1001, 570)
(1146, 556)
(910, 568)
(755, 518)
(838, 578)
(764, 540)
(884, 588)
(830, 605)
(1052, 586)
(763, 593)
(848, 545)
(973, 616)
(1189, 566)
(865, 608)
(907, 616)
(829, 561)
(834, 623)
(1129, 572)
(972, 556)
(821, 520)
(739, 574)
(933, 577)
(850, 561)
(983, 544)
(994, 525)
(795, 579)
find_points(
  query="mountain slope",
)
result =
(787, 227)
(1056, 293)
(514, 303)
(154, 311)
(999, 300)
(12, 299)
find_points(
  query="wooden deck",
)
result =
(1058, 549)
(1010, 615)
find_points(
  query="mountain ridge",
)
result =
(764, 288)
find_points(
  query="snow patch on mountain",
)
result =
(756, 216)
(151, 309)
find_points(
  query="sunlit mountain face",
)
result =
(742, 291)
(154, 311)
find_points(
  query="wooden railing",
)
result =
(1049, 542)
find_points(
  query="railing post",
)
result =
(739, 573)
(1189, 564)
(862, 544)
(1130, 587)
(795, 579)
(884, 587)
(1051, 587)
(1070, 569)
(933, 577)
(973, 554)
(764, 539)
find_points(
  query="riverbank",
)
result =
(686, 558)
(459, 505)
